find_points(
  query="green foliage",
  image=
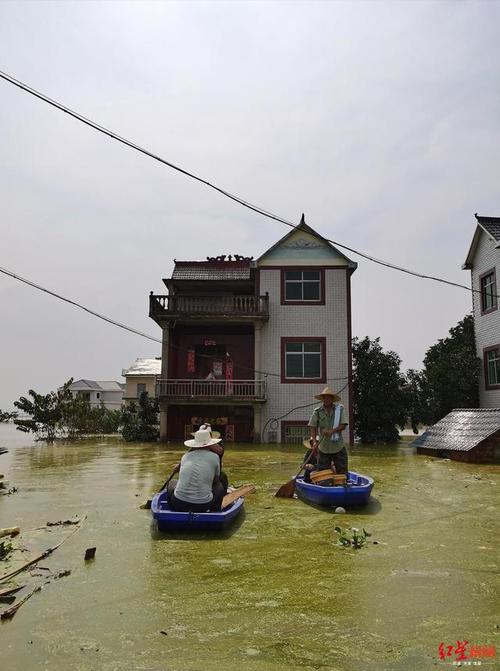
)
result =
(415, 398)
(6, 549)
(380, 397)
(450, 378)
(58, 414)
(7, 416)
(46, 411)
(352, 537)
(141, 422)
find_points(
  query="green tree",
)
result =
(380, 399)
(141, 422)
(451, 373)
(102, 420)
(7, 416)
(45, 410)
(75, 418)
(59, 414)
(415, 398)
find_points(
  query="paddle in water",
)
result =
(287, 490)
(147, 505)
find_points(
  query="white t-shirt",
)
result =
(198, 470)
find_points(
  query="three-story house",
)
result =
(248, 343)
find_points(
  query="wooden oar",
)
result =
(147, 505)
(286, 491)
(236, 494)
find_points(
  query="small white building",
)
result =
(483, 260)
(99, 392)
(141, 377)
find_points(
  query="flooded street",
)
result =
(273, 593)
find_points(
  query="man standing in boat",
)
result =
(327, 423)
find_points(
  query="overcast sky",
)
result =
(379, 120)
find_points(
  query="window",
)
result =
(98, 395)
(492, 367)
(302, 286)
(294, 432)
(303, 360)
(141, 388)
(488, 291)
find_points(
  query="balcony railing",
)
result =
(199, 306)
(210, 389)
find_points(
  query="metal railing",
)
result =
(234, 389)
(209, 305)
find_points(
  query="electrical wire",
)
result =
(78, 305)
(109, 320)
(273, 421)
(255, 208)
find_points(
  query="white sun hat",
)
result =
(202, 438)
(214, 434)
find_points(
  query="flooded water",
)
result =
(275, 593)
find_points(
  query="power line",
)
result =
(109, 320)
(78, 305)
(237, 199)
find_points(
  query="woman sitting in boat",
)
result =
(199, 487)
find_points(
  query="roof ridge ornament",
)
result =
(228, 258)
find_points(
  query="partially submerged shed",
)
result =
(465, 434)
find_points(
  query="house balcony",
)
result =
(212, 391)
(207, 308)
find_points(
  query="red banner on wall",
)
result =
(191, 365)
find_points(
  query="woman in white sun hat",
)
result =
(199, 487)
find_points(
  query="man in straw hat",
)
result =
(199, 487)
(327, 423)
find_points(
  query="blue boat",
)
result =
(171, 520)
(355, 492)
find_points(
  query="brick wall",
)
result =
(487, 326)
(329, 321)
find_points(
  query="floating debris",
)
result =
(352, 537)
(89, 553)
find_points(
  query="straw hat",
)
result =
(202, 438)
(214, 434)
(327, 392)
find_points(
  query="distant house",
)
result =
(103, 392)
(248, 343)
(483, 260)
(141, 377)
(465, 434)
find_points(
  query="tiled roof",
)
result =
(209, 270)
(144, 367)
(461, 430)
(101, 385)
(491, 224)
